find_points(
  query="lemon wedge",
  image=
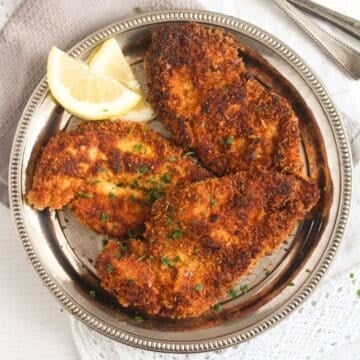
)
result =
(109, 60)
(85, 93)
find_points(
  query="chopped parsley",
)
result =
(111, 195)
(109, 268)
(137, 10)
(291, 284)
(244, 289)
(177, 258)
(143, 169)
(166, 261)
(176, 234)
(154, 194)
(117, 255)
(352, 275)
(228, 140)
(172, 159)
(308, 271)
(199, 287)
(132, 199)
(168, 221)
(213, 202)
(105, 217)
(233, 293)
(134, 184)
(217, 307)
(358, 292)
(137, 148)
(105, 110)
(131, 282)
(132, 233)
(84, 195)
(123, 247)
(166, 178)
(138, 318)
(92, 293)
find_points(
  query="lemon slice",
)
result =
(85, 93)
(110, 61)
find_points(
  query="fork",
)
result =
(343, 54)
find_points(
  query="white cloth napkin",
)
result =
(24, 43)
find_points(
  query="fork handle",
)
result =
(344, 55)
(346, 23)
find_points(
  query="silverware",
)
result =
(346, 23)
(343, 54)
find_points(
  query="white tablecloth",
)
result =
(34, 327)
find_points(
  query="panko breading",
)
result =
(109, 173)
(200, 88)
(199, 242)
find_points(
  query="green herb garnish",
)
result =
(105, 217)
(131, 282)
(358, 292)
(213, 202)
(177, 258)
(228, 140)
(92, 293)
(137, 148)
(94, 182)
(138, 318)
(166, 261)
(154, 194)
(244, 289)
(109, 268)
(132, 199)
(123, 247)
(143, 170)
(199, 287)
(233, 293)
(117, 255)
(291, 284)
(132, 233)
(138, 10)
(172, 158)
(134, 184)
(166, 178)
(176, 234)
(352, 275)
(111, 195)
(84, 195)
(105, 242)
(217, 307)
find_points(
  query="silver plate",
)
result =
(62, 251)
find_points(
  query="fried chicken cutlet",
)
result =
(200, 87)
(109, 173)
(199, 242)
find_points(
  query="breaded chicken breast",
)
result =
(200, 88)
(200, 241)
(109, 173)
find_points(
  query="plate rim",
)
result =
(343, 149)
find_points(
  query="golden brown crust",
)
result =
(200, 241)
(109, 172)
(203, 93)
